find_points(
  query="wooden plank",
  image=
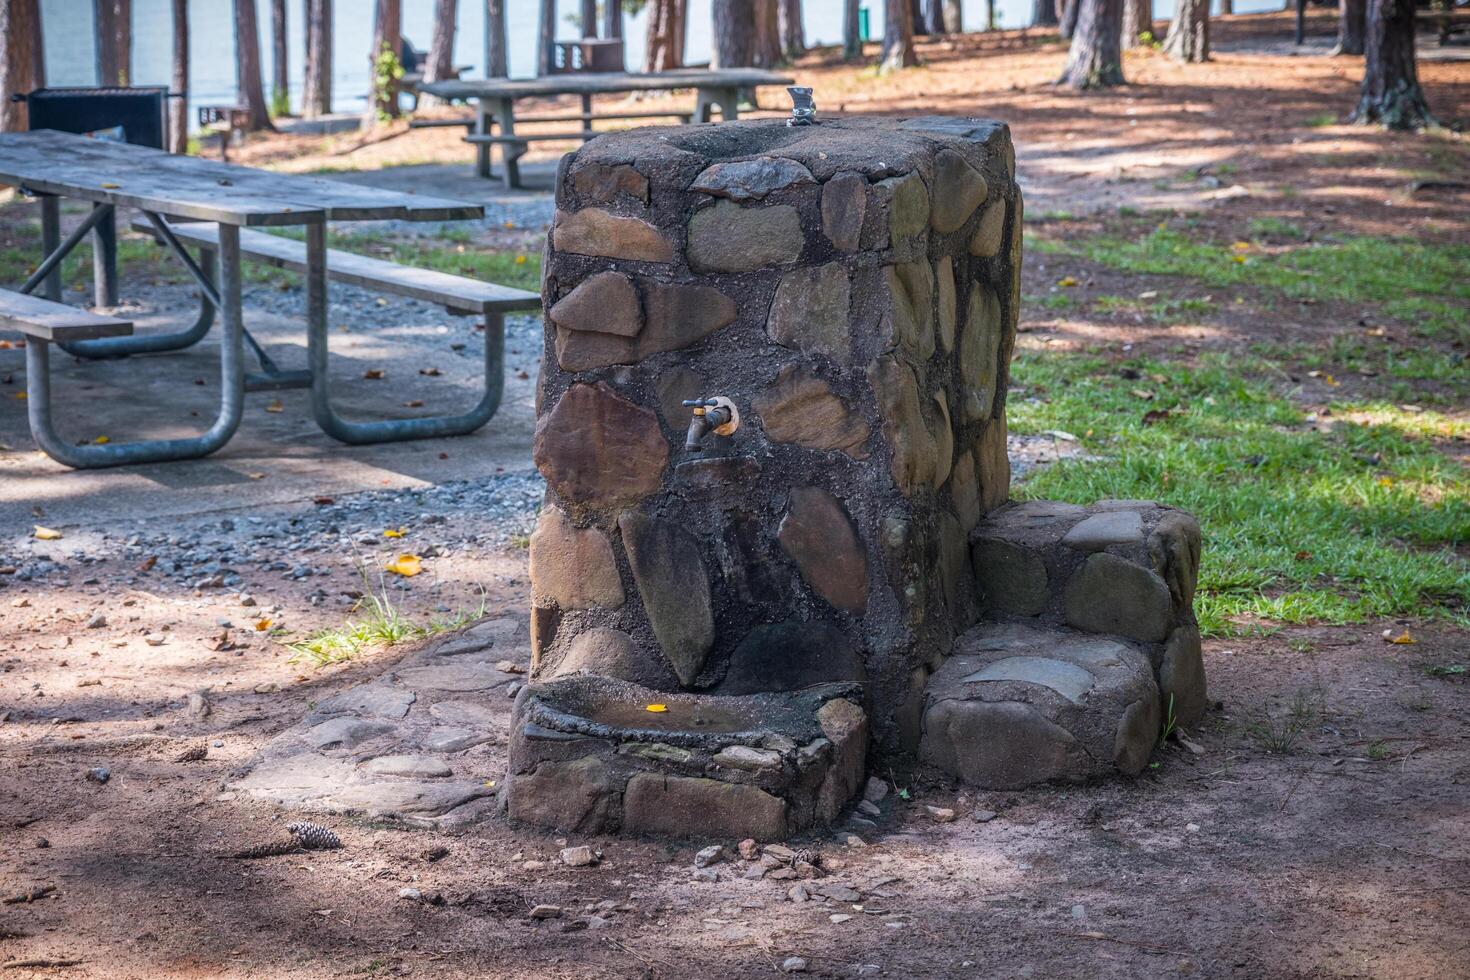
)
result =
(684, 114)
(519, 137)
(457, 292)
(207, 190)
(45, 320)
(592, 83)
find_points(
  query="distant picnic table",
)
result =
(495, 103)
(188, 201)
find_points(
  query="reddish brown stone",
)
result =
(675, 317)
(597, 448)
(958, 190)
(986, 243)
(593, 231)
(911, 295)
(605, 182)
(943, 433)
(994, 465)
(604, 303)
(800, 408)
(572, 567)
(903, 423)
(818, 535)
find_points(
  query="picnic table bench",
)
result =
(233, 201)
(495, 104)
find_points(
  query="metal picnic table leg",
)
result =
(104, 258)
(232, 389)
(510, 153)
(386, 430)
(50, 242)
(483, 120)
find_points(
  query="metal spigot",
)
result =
(803, 107)
(717, 415)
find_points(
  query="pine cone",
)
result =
(275, 848)
(314, 837)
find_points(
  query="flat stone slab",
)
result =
(1018, 705)
(1107, 528)
(393, 746)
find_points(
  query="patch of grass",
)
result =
(1053, 301)
(1422, 284)
(1322, 119)
(1275, 228)
(1277, 732)
(1447, 670)
(1163, 309)
(1301, 525)
(1379, 751)
(378, 623)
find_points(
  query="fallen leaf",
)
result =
(520, 260)
(47, 534)
(1385, 482)
(1155, 415)
(657, 709)
(1149, 294)
(108, 185)
(1330, 381)
(406, 565)
(20, 396)
(1241, 246)
(395, 532)
(322, 501)
(1402, 639)
(1303, 556)
(414, 403)
(256, 476)
(147, 563)
(101, 441)
(374, 374)
(1066, 281)
(1142, 393)
(276, 406)
(430, 372)
(1238, 259)
(261, 625)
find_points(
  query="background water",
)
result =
(70, 46)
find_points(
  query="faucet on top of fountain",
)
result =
(717, 414)
(803, 106)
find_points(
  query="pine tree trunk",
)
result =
(496, 46)
(1095, 59)
(612, 18)
(1070, 11)
(316, 100)
(767, 47)
(1352, 15)
(852, 41)
(918, 18)
(587, 18)
(898, 37)
(1137, 21)
(24, 67)
(247, 66)
(280, 64)
(546, 37)
(989, 15)
(1391, 92)
(1227, 6)
(114, 28)
(1044, 13)
(664, 49)
(734, 33)
(178, 108)
(387, 47)
(934, 17)
(793, 32)
(954, 16)
(440, 63)
(1188, 39)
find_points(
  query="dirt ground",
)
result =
(1314, 826)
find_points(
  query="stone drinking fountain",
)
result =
(776, 541)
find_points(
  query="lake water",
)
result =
(70, 52)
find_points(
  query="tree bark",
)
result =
(114, 28)
(1188, 39)
(793, 32)
(1352, 16)
(1070, 11)
(546, 37)
(316, 100)
(587, 18)
(496, 46)
(734, 33)
(954, 16)
(386, 52)
(612, 18)
(1044, 13)
(934, 17)
(989, 15)
(250, 94)
(852, 41)
(898, 37)
(664, 49)
(1137, 21)
(1391, 93)
(1227, 6)
(440, 64)
(918, 18)
(280, 65)
(24, 67)
(178, 108)
(768, 50)
(1096, 58)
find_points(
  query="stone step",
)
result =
(1018, 705)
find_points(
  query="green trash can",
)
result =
(863, 33)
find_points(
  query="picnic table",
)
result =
(495, 101)
(216, 207)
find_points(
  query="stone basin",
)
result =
(587, 755)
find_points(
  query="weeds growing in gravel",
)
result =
(377, 623)
(1278, 733)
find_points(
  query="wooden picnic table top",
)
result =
(108, 172)
(593, 83)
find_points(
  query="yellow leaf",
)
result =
(1384, 481)
(657, 709)
(46, 533)
(406, 565)
(1239, 259)
(20, 395)
(101, 440)
(1241, 246)
(1330, 381)
(261, 625)
(276, 406)
(108, 185)
(520, 260)
(395, 533)
(1066, 281)
(1402, 639)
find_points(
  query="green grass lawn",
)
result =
(1352, 517)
